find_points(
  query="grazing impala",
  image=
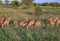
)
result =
(2, 20)
(52, 21)
(6, 22)
(22, 22)
(30, 23)
(37, 23)
(58, 21)
(16, 22)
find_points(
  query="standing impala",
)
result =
(6, 22)
(37, 23)
(2, 20)
(30, 23)
(22, 22)
(52, 21)
(58, 20)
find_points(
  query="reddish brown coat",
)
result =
(52, 21)
(6, 22)
(2, 20)
(37, 23)
(30, 23)
(23, 23)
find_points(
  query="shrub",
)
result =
(38, 10)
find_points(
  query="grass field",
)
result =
(43, 32)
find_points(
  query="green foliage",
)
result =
(46, 4)
(21, 34)
(36, 4)
(53, 4)
(27, 3)
(38, 10)
(15, 4)
(0, 3)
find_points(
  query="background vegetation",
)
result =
(18, 10)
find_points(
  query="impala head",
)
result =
(56, 18)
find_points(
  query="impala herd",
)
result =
(32, 22)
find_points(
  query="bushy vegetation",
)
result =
(15, 4)
(38, 10)
(12, 33)
(53, 4)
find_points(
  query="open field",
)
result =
(43, 32)
(18, 13)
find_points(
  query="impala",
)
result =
(58, 21)
(22, 22)
(2, 20)
(30, 23)
(6, 22)
(52, 21)
(37, 23)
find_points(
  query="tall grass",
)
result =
(43, 32)
(12, 33)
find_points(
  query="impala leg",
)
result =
(27, 27)
(2, 25)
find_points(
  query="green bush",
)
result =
(38, 10)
